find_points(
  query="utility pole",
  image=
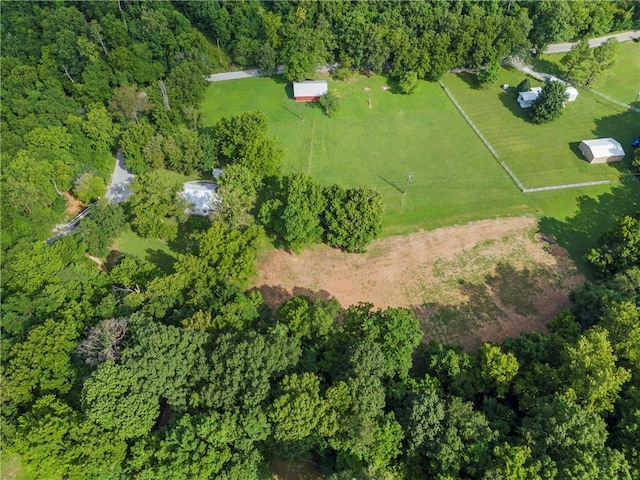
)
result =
(406, 184)
(406, 187)
(219, 56)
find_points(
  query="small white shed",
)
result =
(527, 99)
(602, 150)
(573, 94)
(310, 90)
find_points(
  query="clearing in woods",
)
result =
(467, 284)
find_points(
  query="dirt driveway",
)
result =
(467, 284)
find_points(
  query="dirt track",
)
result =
(470, 283)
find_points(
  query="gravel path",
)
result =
(594, 42)
(118, 190)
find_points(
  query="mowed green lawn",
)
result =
(621, 83)
(542, 155)
(454, 178)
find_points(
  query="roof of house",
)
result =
(310, 88)
(604, 147)
(528, 96)
(201, 195)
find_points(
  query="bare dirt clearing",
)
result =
(467, 284)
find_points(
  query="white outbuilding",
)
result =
(310, 90)
(527, 99)
(573, 94)
(602, 150)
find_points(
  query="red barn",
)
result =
(309, 91)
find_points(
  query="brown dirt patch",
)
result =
(74, 206)
(467, 284)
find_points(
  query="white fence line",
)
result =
(506, 168)
(566, 185)
(612, 100)
(484, 140)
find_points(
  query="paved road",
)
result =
(594, 42)
(118, 190)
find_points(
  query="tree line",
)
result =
(140, 373)
(424, 39)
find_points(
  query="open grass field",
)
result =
(621, 83)
(454, 178)
(547, 154)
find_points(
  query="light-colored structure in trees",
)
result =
(201, 196)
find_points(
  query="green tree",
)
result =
(156, 208)
(329, 102)
(168, 361)
(395, 330)
(577, 58)
(408, 82)
(114, 399)
(309, 319)
(511, 463)
(241, 369)
(594, 381)
(98, 229)
(352, 218)
(238, 190)
(89, 187)
(193, 447)
(462, 445)
(133, 142)
(622, 322)
(550, 102)
(42, 363)
(266, 58)
(619, 248)
(603, 59)
(56, 442)
(242, 139)
(294, 215)
(497, 368)
(99, 127)
(488, 76)
(299, 415)
(566, 439)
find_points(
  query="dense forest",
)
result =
(141, 371)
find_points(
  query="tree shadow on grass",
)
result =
(459, 324)
(275, 295)
(594, 216)
(624, 127)
(470, 79)
(542, 65)
(388, 182)
(184, 242)
(509, 99)
(161, 259)
(573, 146)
